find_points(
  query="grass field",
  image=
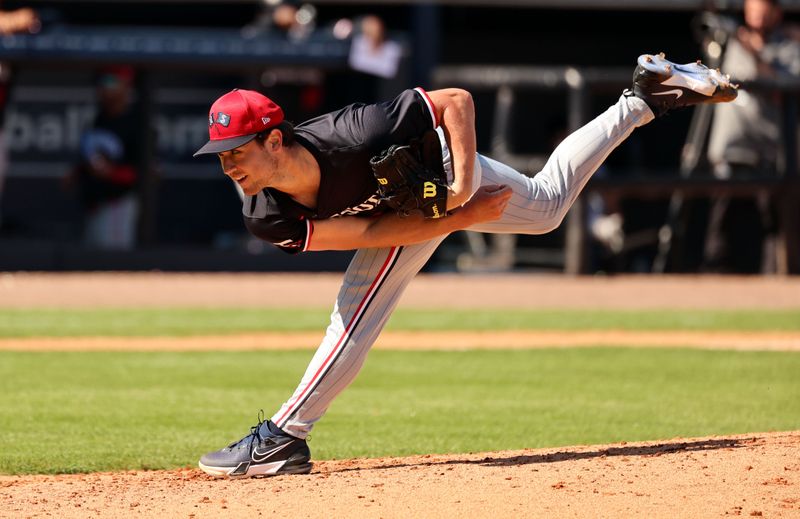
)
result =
(77, 412)
(202, 321)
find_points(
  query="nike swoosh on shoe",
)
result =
(678, 93)
(264, 455)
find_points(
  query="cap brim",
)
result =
(224, 144)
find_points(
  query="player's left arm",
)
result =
(391, 229)
(455, 112)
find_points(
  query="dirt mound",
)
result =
(745, 475)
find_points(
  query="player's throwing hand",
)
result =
(488, 203)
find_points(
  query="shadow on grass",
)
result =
(554, 457)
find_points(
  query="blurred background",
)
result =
(104, 102)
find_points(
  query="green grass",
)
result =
(76, 412)
(199, 321)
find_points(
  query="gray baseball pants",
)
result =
(376, 278)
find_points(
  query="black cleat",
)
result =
(266, 451)
(664, 85)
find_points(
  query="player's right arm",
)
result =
(455, 112)
(390, 230)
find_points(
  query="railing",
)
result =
(208, 48)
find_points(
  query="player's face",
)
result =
(250, 165)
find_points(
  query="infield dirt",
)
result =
(430, 291)
(748, 475)
(753, 475)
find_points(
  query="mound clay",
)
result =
(748, 475)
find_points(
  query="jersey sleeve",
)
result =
(406, 117)
(289, 234)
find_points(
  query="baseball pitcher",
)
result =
(392, 180)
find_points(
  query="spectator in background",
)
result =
(745, 138)
(372, 52)
(373, 59)
(11, 22)
(106, 175)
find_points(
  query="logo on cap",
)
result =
(266, 120)
(222, 118)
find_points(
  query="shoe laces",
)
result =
(253, 436)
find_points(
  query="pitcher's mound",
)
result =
(746, 475)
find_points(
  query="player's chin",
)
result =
(249, 189)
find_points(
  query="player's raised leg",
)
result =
(539, 204)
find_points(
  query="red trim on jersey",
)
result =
(342, 340)
(309, 233)
(431, 106)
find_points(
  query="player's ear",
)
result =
(275, 140)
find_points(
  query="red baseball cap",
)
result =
(237, 117)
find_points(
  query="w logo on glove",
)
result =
(428, 190)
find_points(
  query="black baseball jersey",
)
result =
(342, 142)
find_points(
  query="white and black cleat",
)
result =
(665, 85)
(266, 451)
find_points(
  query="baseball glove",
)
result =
(411, 177)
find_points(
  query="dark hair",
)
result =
(287, 133)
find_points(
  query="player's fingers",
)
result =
(502, 196)
(503, 204)
(500, 202)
